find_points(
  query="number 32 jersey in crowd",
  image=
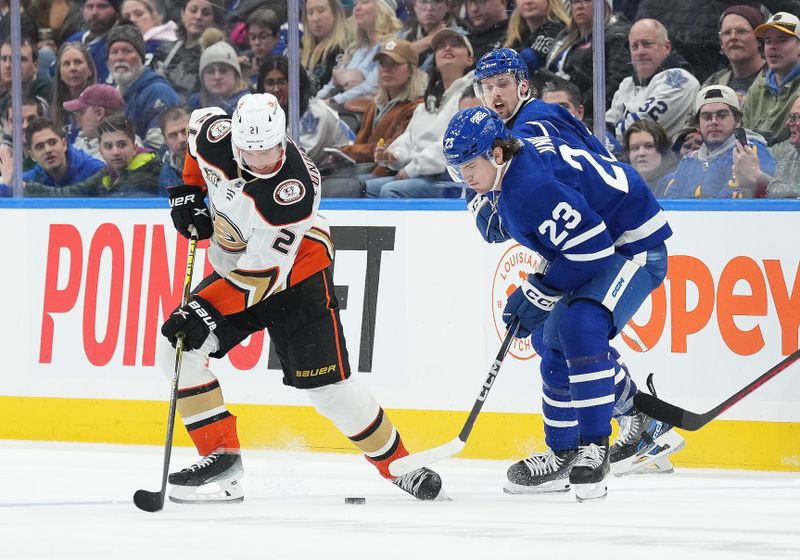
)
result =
(576, 209)
(267, 233)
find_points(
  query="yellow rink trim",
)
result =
(721, 444)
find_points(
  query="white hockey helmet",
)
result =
(258, 123)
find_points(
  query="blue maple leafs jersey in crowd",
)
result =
(576, 208)
(538, 118)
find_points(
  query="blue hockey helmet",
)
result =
(470, 134)
(500, 61)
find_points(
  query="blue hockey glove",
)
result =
(487, 219)
(196, 320)
(532, 303)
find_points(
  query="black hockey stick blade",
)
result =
(687, 420)
(149, 501)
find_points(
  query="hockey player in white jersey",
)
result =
(601, 234)
(271, 254)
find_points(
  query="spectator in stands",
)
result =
(416, 154)
(27, 25)
(263, 32)
(661, 88)
(647, 148)
(99, 16)
(427, 17)
(93, 106)
(400, 87)
(75, 71)
(221, 77)
(488, 20)
(468, 99)
(571, 55)
(146, 93)
(130, 171)
(358, 75)
(769, 99)
(533, 28)
(32, 108)
(29, 65)
(179, 62)
(567, 94)
(175, 128)
(740, 47)
(786, 181)
(708, 172)
(145, 15)
(324, 39)
(57, 163)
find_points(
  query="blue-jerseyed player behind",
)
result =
(601, 234)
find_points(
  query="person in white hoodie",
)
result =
(417, 154)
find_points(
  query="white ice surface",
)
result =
(64, 501)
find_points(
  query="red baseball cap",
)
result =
(97, 95)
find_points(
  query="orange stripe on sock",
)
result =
(218, 435)
(383, 465)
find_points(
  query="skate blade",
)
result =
(211, 493)
(665, 445)
(592, 491)
(547, 488)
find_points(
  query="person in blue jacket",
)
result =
(710, 172)
(58, 164)
(145, 92)
(98, 18)
(600, 233)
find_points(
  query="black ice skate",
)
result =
(423, 484)
(541, 472)
(214, 479)
(643, 445)
(588, 476)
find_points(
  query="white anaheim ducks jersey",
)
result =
(267, 234)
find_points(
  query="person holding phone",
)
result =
(711, 171)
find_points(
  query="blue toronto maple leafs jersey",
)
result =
(576, 209)
(537, 118)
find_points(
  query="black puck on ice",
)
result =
(355, 500)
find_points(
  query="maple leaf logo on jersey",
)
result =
(289, 192)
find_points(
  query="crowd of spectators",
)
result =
(702, 96)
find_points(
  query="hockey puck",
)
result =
(355, 500)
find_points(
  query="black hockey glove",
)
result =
(196, 320)
(189, 209)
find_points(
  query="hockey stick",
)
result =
(681, 418)
(154, 501)
(414, 461)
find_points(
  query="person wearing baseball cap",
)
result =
(400, 87)
(91, 107)
(99, 16)
(145, 92)
(722, 167)
(740, 46)
(769, 100)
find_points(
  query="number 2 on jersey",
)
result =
(618, 181)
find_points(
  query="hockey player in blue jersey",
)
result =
(601, 235)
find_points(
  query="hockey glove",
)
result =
(532, 303)
(196, 320)
(487, 219)
(189, 209)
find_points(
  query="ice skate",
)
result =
(423, 484)
(214, 479)
(588, 476)
(541, 472)
(642, 442)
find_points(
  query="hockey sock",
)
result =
(560, 420)
(625, 388)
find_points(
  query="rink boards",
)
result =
(421, 294)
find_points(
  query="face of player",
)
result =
(98, 15)
(117, 150)
(176, 136)
(320, 18)
(275, 82)
(220, 79)
(262, 40)
(561, 98)
(648, 49)
(262, 161)
(88, 120)
(716, 123)
(793, 123)
(124, 62)
(501, 93)
(430, 13)
(480, 174)
(74, 70)
(737, 39)
(28, 67)
(364, 14)
(644, 156)
(139, 13)
(49, 150)
(197, 16)
(781, 50)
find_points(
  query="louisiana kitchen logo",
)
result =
(512, 269)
